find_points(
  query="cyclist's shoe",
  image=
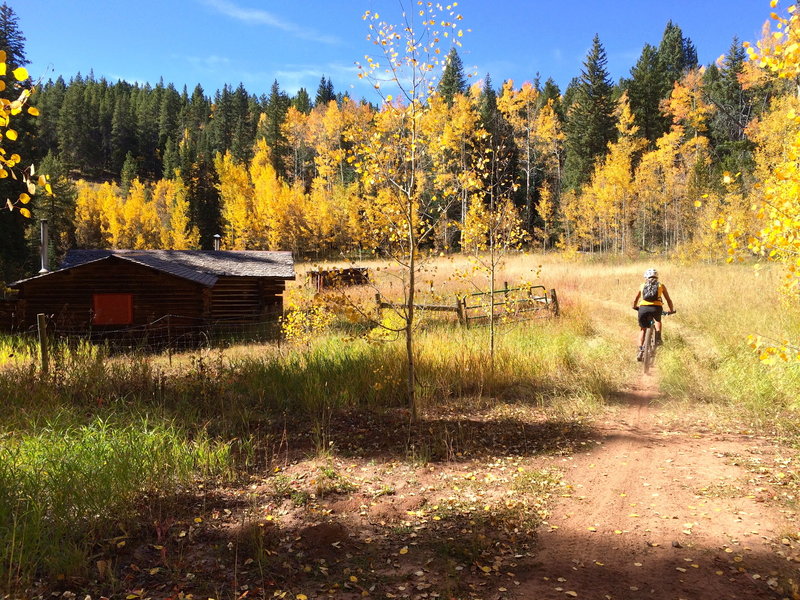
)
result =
(658, 339)
(640, 354)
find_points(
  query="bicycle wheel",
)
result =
(649, 355)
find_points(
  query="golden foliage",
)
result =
(149, 216)
(10, 161)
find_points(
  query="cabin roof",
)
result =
(201, 266)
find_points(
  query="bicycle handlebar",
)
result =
(666, 313)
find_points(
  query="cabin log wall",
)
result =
(67, 295)
(246, 299)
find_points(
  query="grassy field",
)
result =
(104, 449)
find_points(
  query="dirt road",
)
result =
(660, 514)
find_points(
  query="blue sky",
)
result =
(214, 42)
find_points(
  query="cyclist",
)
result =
(649, 302)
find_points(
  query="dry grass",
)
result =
(707, 359)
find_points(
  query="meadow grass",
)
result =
(81, 445)
(707, 358)
(63, 489)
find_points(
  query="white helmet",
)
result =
(651, 273)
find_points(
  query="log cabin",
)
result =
(114, 289)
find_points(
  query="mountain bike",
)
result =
(649, 347)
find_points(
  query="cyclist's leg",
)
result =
(644, 324)
(657, 317)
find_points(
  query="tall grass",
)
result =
(64, 489)
(81, 445)
(707, 358)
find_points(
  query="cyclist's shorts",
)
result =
(647, 314)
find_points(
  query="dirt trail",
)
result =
(659, 514)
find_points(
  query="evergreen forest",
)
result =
(640, 164)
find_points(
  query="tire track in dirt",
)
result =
(660, 514)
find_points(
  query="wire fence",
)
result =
(170, 332)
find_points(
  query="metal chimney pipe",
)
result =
(44, 248)
(217, 238)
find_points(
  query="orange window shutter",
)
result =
(112, 309)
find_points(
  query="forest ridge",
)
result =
(644, 163)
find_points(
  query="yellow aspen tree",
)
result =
(392, 161)
(491, 231)
(546, 208)
(686, 103)
(649, 182)
(295, 130)
(170, 198)
(549, 139)
(452, 129)
(326, 127)
(778, 207)
(113, 224)
(520, 108)
(278, 211)
(264, 181)
(88, 216)
(142, 227)
(611, 189)
(236, 197)
(10, 161)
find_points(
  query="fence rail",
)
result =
(511, 303)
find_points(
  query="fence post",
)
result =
(41, 322)
(169, 340)
(554, 302)
(378, 314)
(460, 310)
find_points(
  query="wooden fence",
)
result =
(507, 303)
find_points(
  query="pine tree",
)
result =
(499, 147)
(325, 92)
(58, 209)
(271, 127)
(168, 116)
(676, 54)
(123, 131)
(550, 91)
(11, 38)
(646, 89)
(171, 161)
(146, 109)
(302, 101)
(49, 99)
(734, 110)
(130, 171)
(487, 103)
(204, 203)
(453, 81)
(590, 122)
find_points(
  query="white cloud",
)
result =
(209, 63)
(255, 16)
(292, 77)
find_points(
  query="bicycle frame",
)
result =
(649, 346)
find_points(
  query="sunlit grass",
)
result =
(64, 488)
(97, 432)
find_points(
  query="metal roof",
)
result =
(201, 266)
